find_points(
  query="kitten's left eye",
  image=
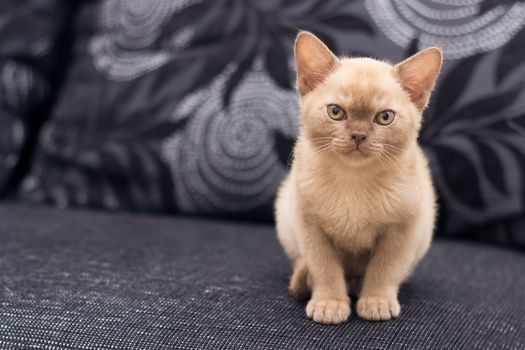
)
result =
(335, 112)
(385, 117)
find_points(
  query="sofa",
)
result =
(84, 279)
(142, 142)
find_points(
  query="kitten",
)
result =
(357, 209)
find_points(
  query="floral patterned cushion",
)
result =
(30, 39)
(189, 105)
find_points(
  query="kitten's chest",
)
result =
(354, 214)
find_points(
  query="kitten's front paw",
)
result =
(378, 308)
(328, 311)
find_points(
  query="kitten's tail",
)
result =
(299, 285)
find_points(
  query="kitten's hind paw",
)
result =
(299, 281)
(378, 308)
(328, 311)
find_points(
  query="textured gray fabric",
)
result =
(91, 280)
(222, 114)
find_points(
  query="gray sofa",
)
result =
(187, 107)
(81, 279)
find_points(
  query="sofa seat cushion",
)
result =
(98, 280)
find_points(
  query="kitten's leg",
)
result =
(299, 281)
(329, 302)
(390, 264)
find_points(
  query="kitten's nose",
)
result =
(358, 137)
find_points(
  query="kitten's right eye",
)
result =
(335, 112)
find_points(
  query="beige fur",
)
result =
(356, 221)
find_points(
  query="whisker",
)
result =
(380, 158)
(392, 160)
(326, 152)
(290, 159)
(393, 147)
(324, 149)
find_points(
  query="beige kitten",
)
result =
(358, 207)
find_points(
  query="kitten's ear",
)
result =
(418, 75)
(313, 61)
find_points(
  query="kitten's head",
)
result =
(361, 109)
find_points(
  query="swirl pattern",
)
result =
(190, 105)
(460, 28)
(225, 160)
(125, 47)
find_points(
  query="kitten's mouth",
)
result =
(356, 151)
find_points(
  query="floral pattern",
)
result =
(127, 47)
(136, 37)
(27, 36)
(459, 28)
(190, 105)
(225, 159)
(477, 145)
